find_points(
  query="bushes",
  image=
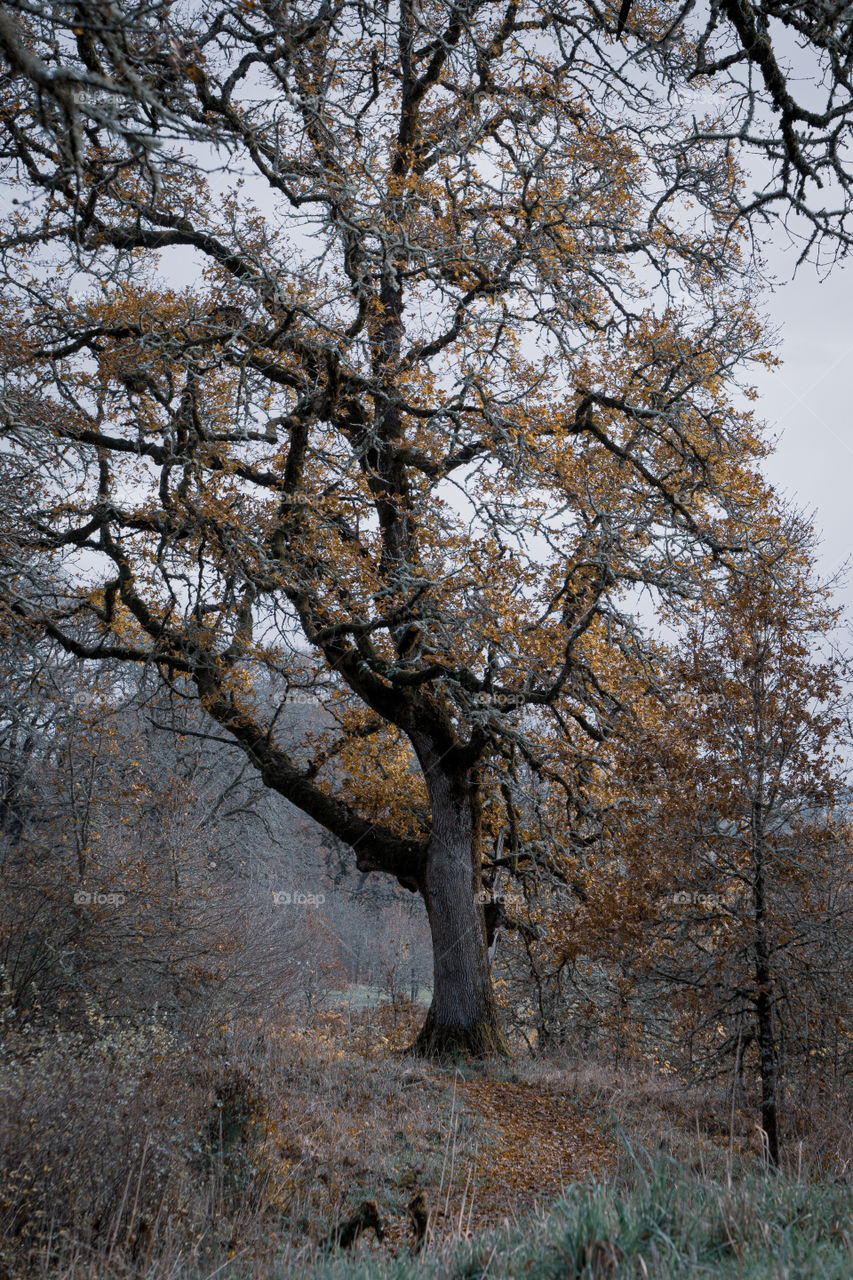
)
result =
(118, 1139)
(88, 1150)
(141, 1145)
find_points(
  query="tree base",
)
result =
(441, 1044)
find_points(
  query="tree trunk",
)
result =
(767, 1054)
(463, 1015)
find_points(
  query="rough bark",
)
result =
(463, 1016)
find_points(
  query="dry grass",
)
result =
(130, 1152)
(700, 1126)
(135, 1143)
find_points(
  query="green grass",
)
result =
(668, 1226)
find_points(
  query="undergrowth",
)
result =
(135, 1152)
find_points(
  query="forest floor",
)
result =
(489, 1145)
(143, 1151)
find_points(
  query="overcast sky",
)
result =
(807, 401)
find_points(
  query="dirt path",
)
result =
(541, 1143)
(536, 1142)
(481, 1149)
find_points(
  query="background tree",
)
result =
(452, 378)
(138, 865)
(733, 835)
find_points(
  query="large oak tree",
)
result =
(381, 351)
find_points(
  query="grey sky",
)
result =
(807, 402)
